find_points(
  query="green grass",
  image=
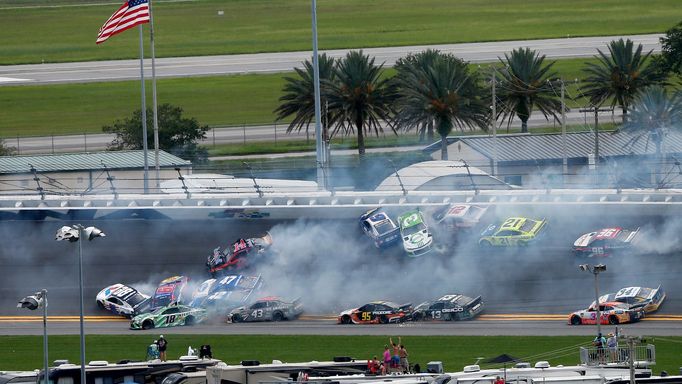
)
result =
(25, 352)
(55, 34)
(218, 101)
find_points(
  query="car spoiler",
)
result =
(369, 213)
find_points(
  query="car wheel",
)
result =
(236, 318)
(613, 320)
(148, 324)
(189, 320)
(575, 320)
(277, 316)
(100, 305)
(345, 319)
(383, 319)
(417, 316)
(485, 244)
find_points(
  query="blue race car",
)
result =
(224, 294)
(379, 227)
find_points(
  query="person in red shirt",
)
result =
(373, 366)
(499, 380)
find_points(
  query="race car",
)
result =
(611, 313)
(376, 312)
(458, 217)
(169, 291)
(605, 242)
(224, 294)
(415, 234)
(515, 231)
(267, 309)
(123, 300)
(168, 316)
(449, 308)
(649, 299)
(234, 257)
(379, 227)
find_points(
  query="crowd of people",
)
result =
(394, 360)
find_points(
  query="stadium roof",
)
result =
(526, 147)
(451, 174)
(87, 161)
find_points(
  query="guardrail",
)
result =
(643, 356)
(351, 204)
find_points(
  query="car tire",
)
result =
(277, 316)
(147, 324)
(613, 320)
(189, 320)
(236, 318)
(100, 305)
(575, 320)
(485, 244)
(383, 319)
(345, 319)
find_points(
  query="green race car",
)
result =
(415, 234)
(515, 231)
(169, 316)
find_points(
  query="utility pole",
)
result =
(596, 111)
(563, 131)
(631, 359)
(494, 121)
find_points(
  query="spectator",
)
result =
(373, 366)
(600, 343)
(387, 359)
(153, 351)
(404, 364)
(499, 380)
(382, 369)
(163, 344)
(612, 345)
(395, 360)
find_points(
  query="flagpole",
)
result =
(144, 116)
(156, 118)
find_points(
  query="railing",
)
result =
(643, 356)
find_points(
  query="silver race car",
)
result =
(267, 309)
(123, 300)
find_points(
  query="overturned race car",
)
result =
(379, 227)
(649, 299)
(415, 234)
(237, 256)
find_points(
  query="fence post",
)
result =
(18, 150)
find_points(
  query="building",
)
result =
(85, 173)
(536, 161)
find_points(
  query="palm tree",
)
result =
(422, 60)
(620, 75)
(524, 85)
(358, 99)
(299, 96)
(444, 93)
(654, 114)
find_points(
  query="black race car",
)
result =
(449, 308)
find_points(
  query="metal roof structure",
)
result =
(86, 161)
(454, 175)
(527, 147)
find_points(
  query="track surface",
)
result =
(330, 265)
(286, 61)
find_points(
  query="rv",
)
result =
(253, 372)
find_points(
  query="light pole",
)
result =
(33, 302)
(71, 234)
(595, 270)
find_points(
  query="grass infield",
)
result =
(41, 110)
(35, 32)
(25, 352)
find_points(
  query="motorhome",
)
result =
(253, 372)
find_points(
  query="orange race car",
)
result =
(376, 312)
(610, 313)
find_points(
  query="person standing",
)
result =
(387, 359)
(404, 364)
(612, 345)
(395, 360)
(163, 344)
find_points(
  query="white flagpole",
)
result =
(156, 118)
(144, 116)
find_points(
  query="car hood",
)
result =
(417, 240)
(584, 240)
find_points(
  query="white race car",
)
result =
(123, 300)
(417, 240)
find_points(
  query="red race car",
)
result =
(376, 312)
(237, 256)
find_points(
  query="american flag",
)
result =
(131, 14)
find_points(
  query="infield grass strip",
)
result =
(57, 34)
(59, 109)
(25, 352)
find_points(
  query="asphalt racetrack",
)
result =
(332, 267)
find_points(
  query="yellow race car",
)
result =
(515, 231)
